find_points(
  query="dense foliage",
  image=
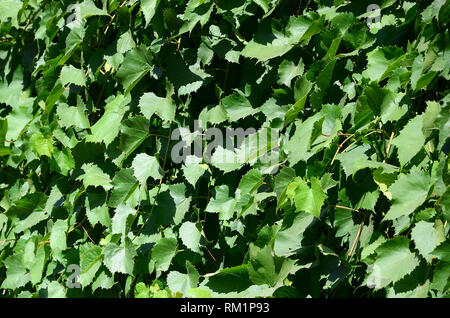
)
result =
(357, 203)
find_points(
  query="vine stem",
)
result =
(339, 148)
(388, 146)
(78, 225)
(345, 208)
(357, 237)
(368, 134)
(210, 254)
(90, 238)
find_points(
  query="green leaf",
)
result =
(425, 238)
(141, 291)
(172, 205)
(137, 63)
(73, 40)
(442, 251)
(72, 75)
(41, 145)
(355, 159)
(441, 277)
(163, 252)
(88, 9)
(97, 210)
(298, 145)
(382, 61)
(222, 203)
(266, 268)
(251, 181)
(134, 133)
(17, 121)
(291, 236)
(51, 289)
(125, 43)
(150, 104)
(287, 71)
(187, 78)
(125, 185)
(145, 166)
(384, 102)
(72, 116)
(27, 211)
(90, 262)
(37, 269)
(149, 8)
(120, 259)
(58, 236)
(16, 273)
(237, 107)
(394, 261)
(10, 9)
(94, 176)
(273, 39)
(104, 280)
(408, 193)
(301, 90)
(197, 11)
(410, 140)
(107, 127)
(225, 159)
(179, 282)
(306, 198)
(62, 161)
(190, 236)
(120, 219)
(193, 170)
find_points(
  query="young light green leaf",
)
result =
(145, 166)
(222, 203)
(107, 127)
(58, 236)
(72, 75)
(120, 259)
(94, 176)
(150, 104)
(190, 236)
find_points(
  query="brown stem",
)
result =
(389, 146)
(87, 234)
(356, 238)
(339, 148)
(345, 208)
(210, 254)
